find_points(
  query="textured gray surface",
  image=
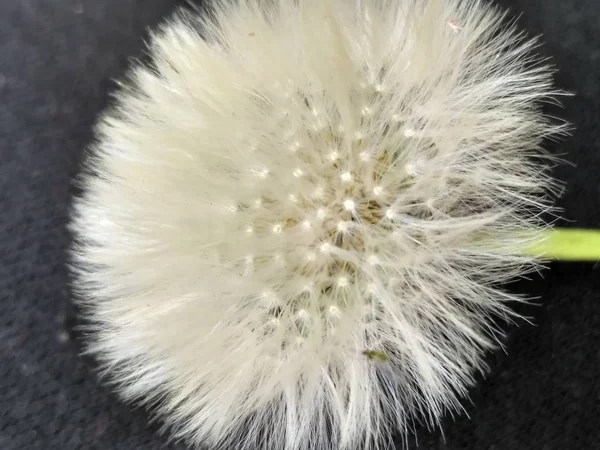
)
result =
(57, 59)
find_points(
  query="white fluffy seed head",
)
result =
(262, 217)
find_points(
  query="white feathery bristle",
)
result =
(294, 186)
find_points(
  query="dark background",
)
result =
(57, 60)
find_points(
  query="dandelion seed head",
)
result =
(258, 217)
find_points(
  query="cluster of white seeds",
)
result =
(338, 218)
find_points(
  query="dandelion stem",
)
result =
(567, 244)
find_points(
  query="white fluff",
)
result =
(296, 222)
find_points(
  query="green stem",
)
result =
(567, 244)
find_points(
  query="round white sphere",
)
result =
(296, 221)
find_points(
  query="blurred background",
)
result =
(58, 63)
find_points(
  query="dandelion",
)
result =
(297, 222)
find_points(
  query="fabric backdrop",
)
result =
(57, 62)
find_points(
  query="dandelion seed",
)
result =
(325, 247)
(342, 226)
(342, 282)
